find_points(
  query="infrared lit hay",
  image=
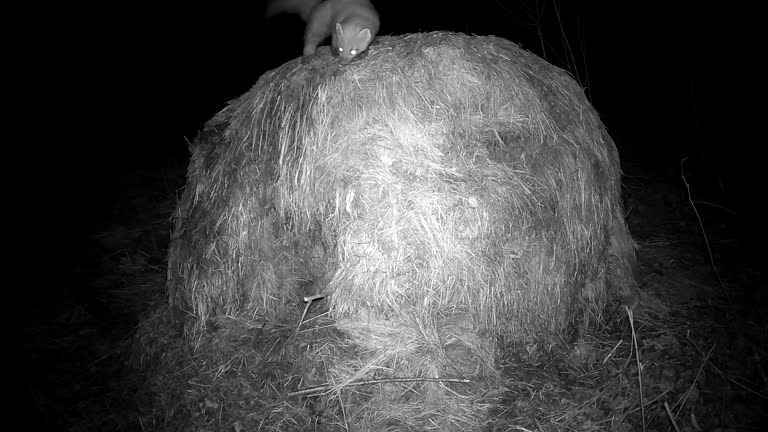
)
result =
(442, 191)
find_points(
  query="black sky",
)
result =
(161, 73)
(124, 87)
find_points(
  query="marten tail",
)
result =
(302, 8)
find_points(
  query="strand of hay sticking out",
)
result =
(443, 191)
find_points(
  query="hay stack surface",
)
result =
(443, 191)
(443, 173)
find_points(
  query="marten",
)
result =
(352, 24)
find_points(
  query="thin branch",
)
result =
(327, 387)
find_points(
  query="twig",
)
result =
(703, 231)
(650, 402)
(612, 351)
(308, 300)
(671, 417)
(698, 374)
(761, 392)
(639, 365)
(327, 387)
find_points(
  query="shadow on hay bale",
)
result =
(446, 189)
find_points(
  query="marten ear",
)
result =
(339, 30)
(365, 34)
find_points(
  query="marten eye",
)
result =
(341, 50)
(353, 52)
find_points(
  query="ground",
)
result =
(697, 332)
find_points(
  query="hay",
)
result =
(443, 192)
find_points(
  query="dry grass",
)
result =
(696, 357)
(445, 192)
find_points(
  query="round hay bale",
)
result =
(442, 192)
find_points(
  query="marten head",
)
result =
(351, 41)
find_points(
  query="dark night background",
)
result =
(124, 88)
(670, 80)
